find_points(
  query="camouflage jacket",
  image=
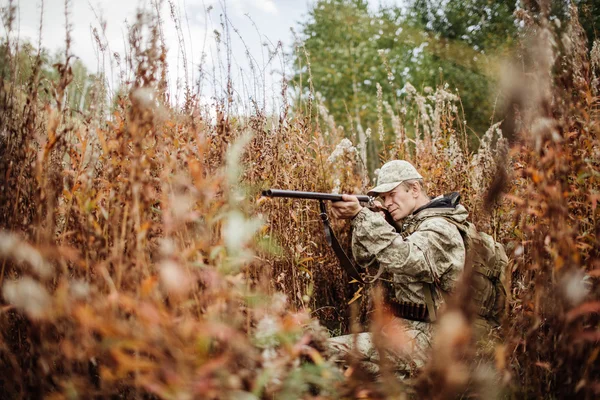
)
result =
(432, 248)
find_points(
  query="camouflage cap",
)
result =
(392, 174)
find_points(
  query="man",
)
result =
(423, 256)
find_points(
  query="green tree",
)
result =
(338, 41)
(23, 59)
(588, 13)
(19, 62)
(427, 43)
(589, 16)
(351, 51)
(465, 38)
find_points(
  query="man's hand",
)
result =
(377, 207)
(346, 209)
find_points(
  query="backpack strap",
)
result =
(493, 274)
(429, 302)
(463, 229)
(430, 288)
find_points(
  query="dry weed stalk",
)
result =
(134, 268)
(553, 323)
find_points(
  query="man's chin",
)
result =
(397, 217)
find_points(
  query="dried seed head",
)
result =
(266, 331)
(173, 278)
(80, 289)
(380, 112)
(167, 247)
(595, 57)
(410, 89)
(238, 231)
(576, 286)
(344, 147)
(181, 206)
(279, 302)
(11, 246)
(336, 186)
(28, 295)
(144, 98)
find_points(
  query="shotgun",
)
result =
(347, 264)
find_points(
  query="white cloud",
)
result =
(241, 7)
(266, 5)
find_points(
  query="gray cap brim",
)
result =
(383, 188)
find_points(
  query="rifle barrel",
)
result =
(309, 195)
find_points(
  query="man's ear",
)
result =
(415, 189)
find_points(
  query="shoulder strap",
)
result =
(341, 255)
(462, 228)
(429, 288)
(490, 273)
(345, 261)
(429, 302)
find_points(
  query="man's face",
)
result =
(400, 201)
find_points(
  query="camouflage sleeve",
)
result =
(434, 247)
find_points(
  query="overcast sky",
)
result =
(258, 22)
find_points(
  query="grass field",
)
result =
(139, 260)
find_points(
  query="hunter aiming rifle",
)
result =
(345, 261)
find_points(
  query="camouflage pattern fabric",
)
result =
(392, 174)
(405, 353)
(431, 251)
(434, 252)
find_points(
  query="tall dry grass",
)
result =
(138, 259)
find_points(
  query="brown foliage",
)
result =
(138, 259)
